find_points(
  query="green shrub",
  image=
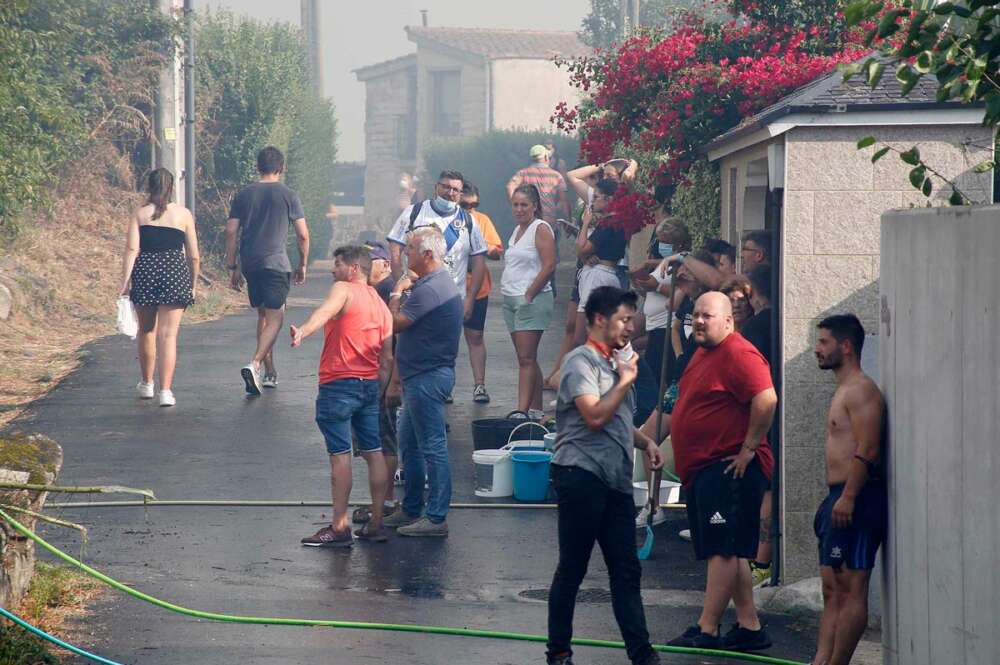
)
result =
(19, 647)
(489, 160)
(254, 90)
(698, 200)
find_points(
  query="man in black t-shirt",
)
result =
(258, 219)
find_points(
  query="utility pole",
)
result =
(629, 15)
(167, 122)
(311, 30)
(189, 156)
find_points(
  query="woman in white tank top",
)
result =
(529, 262)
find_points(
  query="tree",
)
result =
(602, 26)
(956, 42)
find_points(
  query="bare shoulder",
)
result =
(861, 391)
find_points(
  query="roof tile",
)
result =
(500, 43)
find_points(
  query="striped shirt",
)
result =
(551, 188)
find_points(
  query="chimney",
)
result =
(423, 17)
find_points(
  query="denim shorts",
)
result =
(348, 404)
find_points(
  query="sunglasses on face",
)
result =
(469, 206)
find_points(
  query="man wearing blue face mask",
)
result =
(465, 247)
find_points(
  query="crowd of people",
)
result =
(685, 377)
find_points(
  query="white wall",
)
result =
(525, 93)
(940, 367)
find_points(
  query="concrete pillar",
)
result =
(940, 370)
(169, 125)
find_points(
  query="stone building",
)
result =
(794, 168)
(460, 82)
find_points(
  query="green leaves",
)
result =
(887, 25)
(917, 176)
(865, 142)
(879, 154)
(856, 12)
(956, 198)
(911, 156)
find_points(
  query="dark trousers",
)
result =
(589, 511)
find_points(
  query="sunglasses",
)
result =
(469, 206)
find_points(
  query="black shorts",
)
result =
(268, 288)
(857, 545)
(477, 320)
(724, 512)
(575, 293)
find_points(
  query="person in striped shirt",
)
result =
(550, 183)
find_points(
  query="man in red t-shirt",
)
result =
(719, 433)
(355, 364)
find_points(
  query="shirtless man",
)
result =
(851, 522)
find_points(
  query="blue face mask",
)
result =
(445, 205)
(665, 249)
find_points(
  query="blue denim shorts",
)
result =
(349, 404)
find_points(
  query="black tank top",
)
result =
(159, 238)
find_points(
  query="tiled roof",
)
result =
(386, 66)
(830, 93)
(498, 43)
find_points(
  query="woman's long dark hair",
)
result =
(531, 191)
(160, 186)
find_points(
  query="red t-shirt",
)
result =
(354, 339)
(712, 412)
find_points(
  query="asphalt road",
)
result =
(219, 444)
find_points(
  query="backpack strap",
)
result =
(414, 213)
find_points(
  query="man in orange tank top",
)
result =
(353, 368)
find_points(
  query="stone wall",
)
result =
(473, 109)
(834, 198)
(387, 99)
(23, 459)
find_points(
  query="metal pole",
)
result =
(189, 157)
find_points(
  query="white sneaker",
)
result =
(270, 380)
(685, 534)
(251, 377)
(643, 517)
(145, 390)
(167, 398)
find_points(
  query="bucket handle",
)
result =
(525, 424)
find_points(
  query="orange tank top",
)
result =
(353, 340)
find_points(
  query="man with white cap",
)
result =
(550, 183)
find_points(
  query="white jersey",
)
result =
(463, 237)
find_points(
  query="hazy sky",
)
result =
(356, 34)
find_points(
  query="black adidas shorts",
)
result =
(724, 512)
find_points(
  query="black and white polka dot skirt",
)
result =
(161, 278)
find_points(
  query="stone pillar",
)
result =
(29, 459)
(940, 369)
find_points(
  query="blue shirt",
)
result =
(431, 341)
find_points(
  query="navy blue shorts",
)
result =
(857, 545)
(477, 319)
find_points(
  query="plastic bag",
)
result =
(128, 324)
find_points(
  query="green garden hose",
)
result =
(395, 627)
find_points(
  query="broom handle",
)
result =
(665, 361)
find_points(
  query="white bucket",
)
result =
(550, 441)
(670, 492)
(494, 473)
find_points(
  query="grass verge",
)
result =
(56, 594)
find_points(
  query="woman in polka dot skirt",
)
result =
(159, 272)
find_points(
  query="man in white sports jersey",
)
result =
(466, 248)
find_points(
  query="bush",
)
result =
(488, 161)
(19, 647)
(254, 90)
(698, 201)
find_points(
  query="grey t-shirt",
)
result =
(265, 209)
(606, 453)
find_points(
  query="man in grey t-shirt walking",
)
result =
(258, 220)
(592, 475)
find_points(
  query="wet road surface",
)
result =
(491, 573)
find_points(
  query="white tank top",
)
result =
(522, 262)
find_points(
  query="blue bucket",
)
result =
(531, 475)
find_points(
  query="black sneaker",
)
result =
(652, 658)
(694, 638)
(742, 639)
(565, 659)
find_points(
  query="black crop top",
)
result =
(609, 244)
(159, 238)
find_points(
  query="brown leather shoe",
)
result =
(329, 537)
(371, 534)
